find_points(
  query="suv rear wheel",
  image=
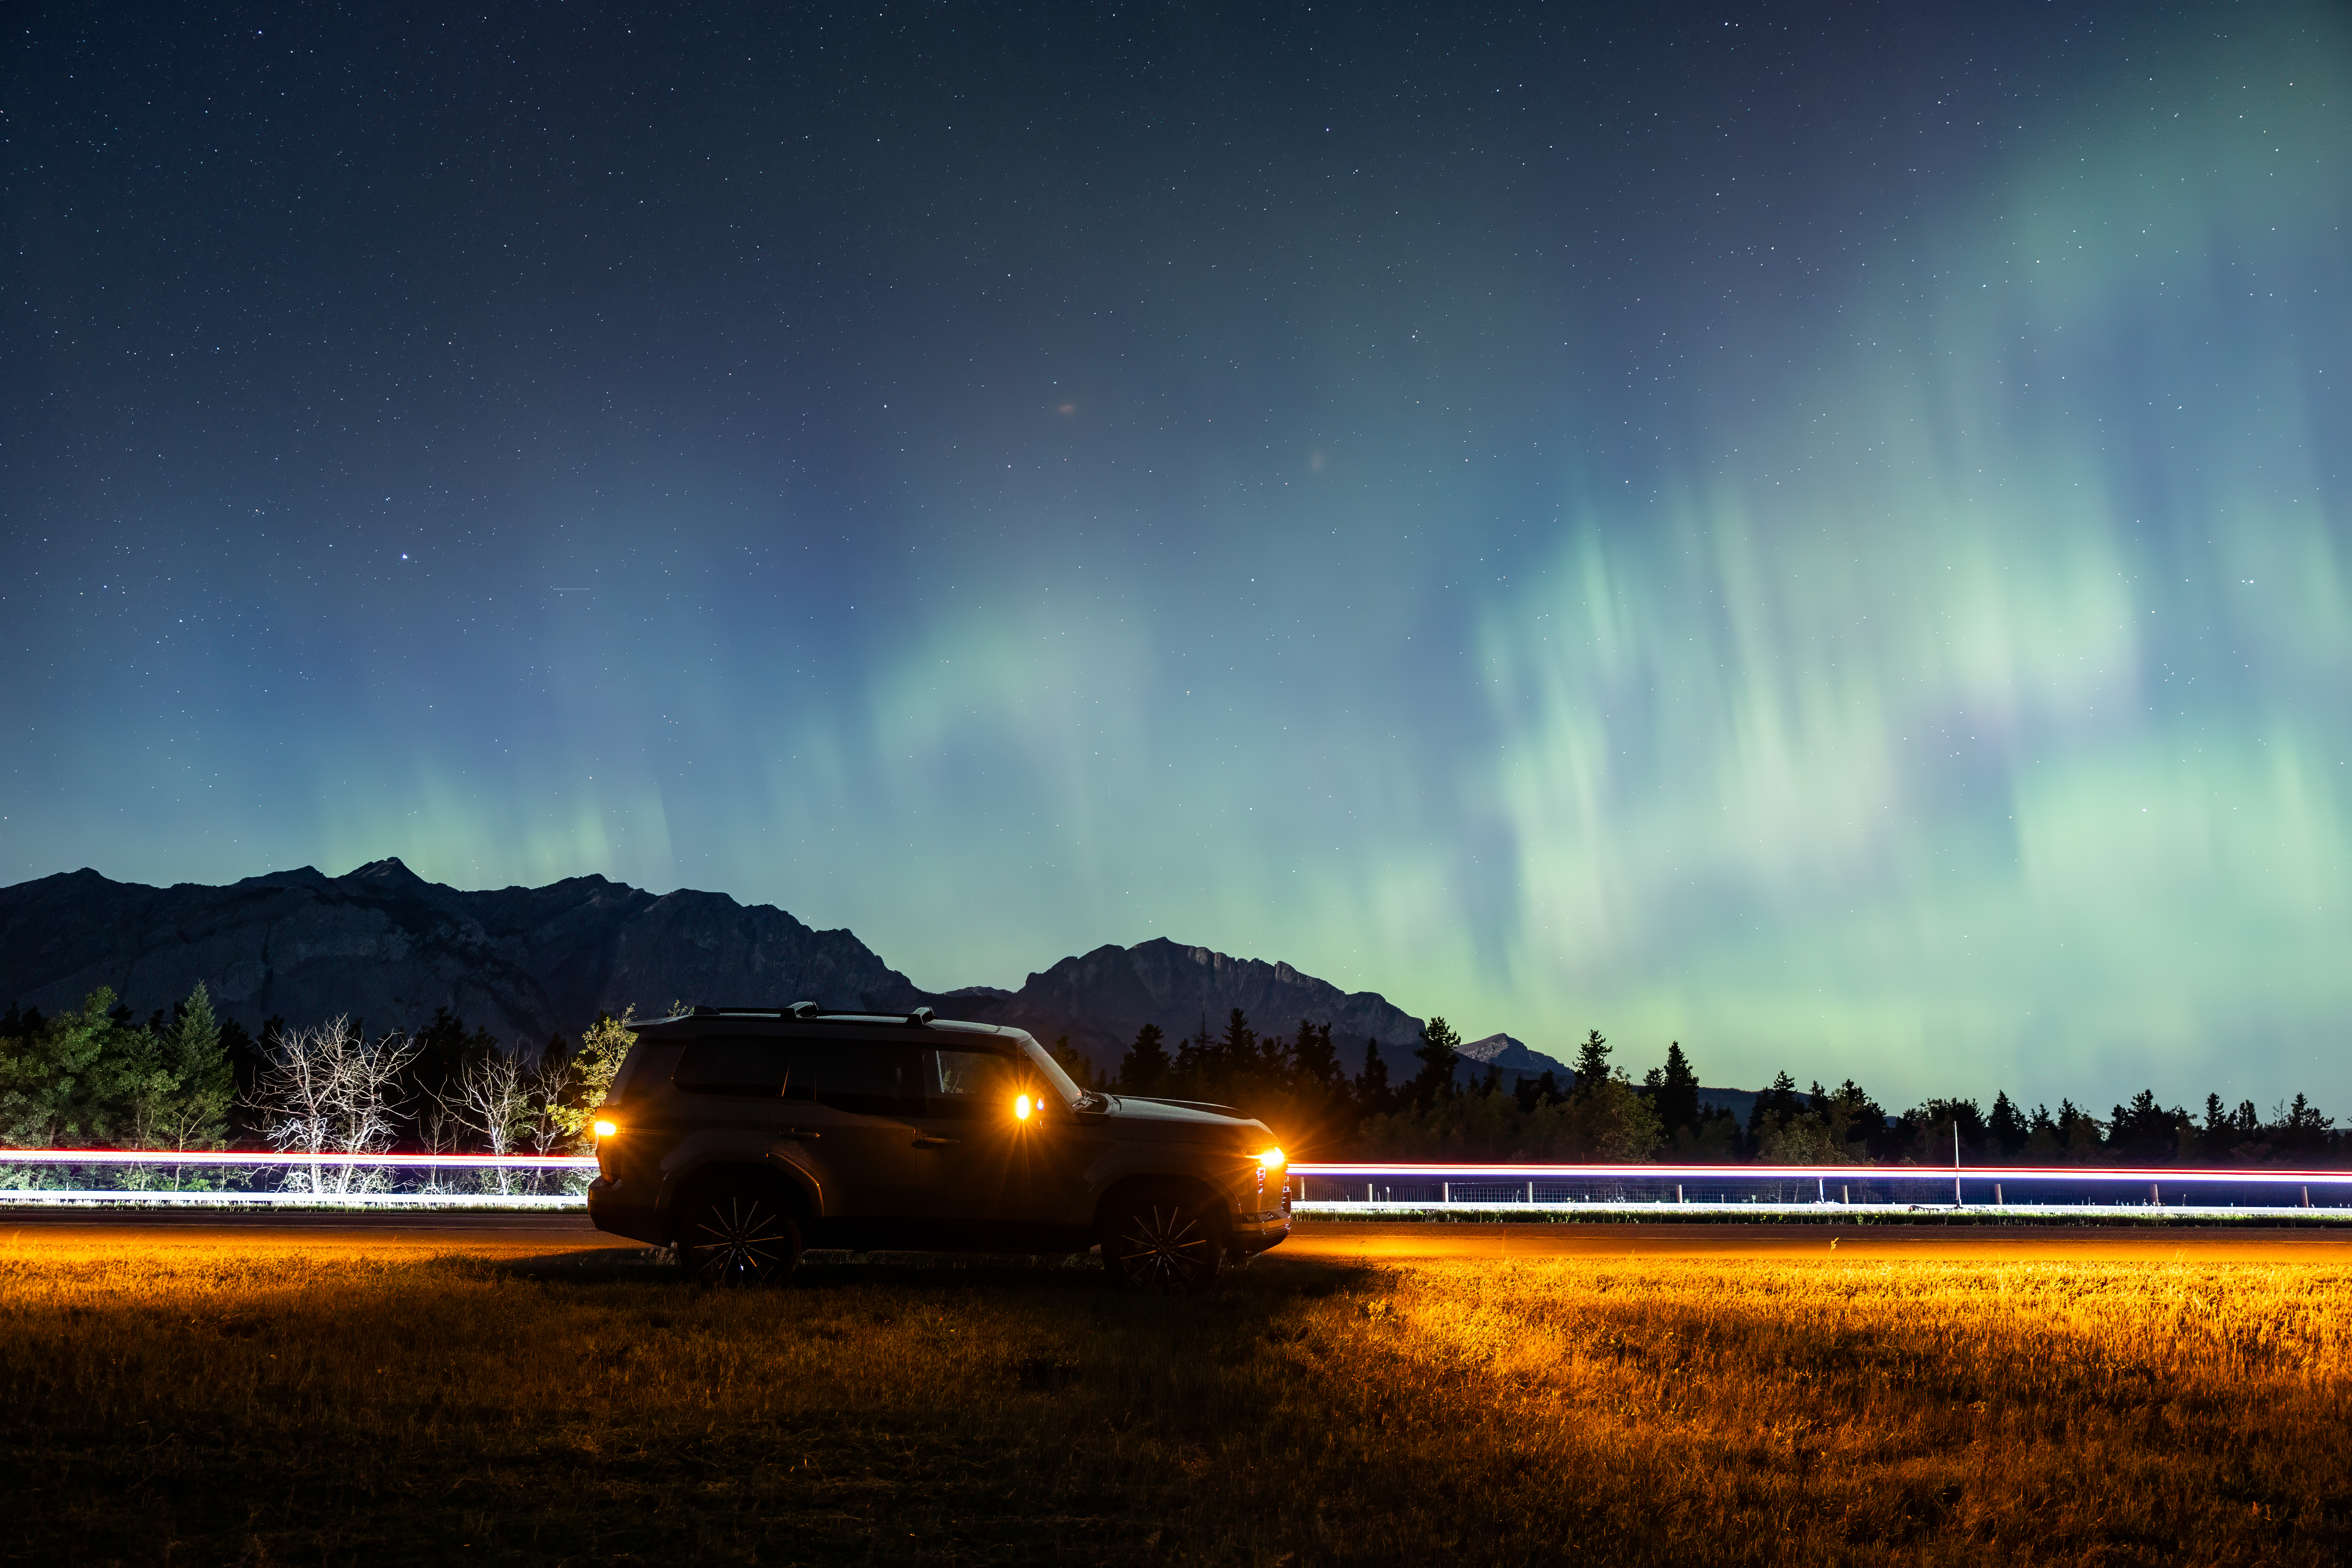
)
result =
(738, 1232)
(1165, 1239)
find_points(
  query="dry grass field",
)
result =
(213, 1402)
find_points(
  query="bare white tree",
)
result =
(328, 1090)
(550, 1127)
(492, 1100)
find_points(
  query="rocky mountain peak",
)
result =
(383, 945)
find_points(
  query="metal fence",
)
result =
(1435, 1190)
(244, 1179)
(238, 1178)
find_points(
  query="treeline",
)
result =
(100, 1077)
(187, 1080)
(1598, 1112)
(94, 1077)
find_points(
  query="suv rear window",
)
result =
(736, 1066)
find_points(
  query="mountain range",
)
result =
(387, 947)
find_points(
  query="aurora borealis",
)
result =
(1818, 534)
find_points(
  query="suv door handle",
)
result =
(800, 1132)
(933, 1140)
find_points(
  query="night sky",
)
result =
(1820, 534)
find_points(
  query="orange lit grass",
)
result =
(293, 1404)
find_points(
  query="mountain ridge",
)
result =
(381, 943)
(383, 946)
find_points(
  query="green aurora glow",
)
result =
(1945, 683)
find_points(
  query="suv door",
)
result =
(855, 1099)
(835, 1108)
(989, 1167)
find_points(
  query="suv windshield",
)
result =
(1052, 1071)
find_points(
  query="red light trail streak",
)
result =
(1728, 1175)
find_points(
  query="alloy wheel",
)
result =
(740, 1238)
(1166, 1246)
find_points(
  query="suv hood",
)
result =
(1165, 1121)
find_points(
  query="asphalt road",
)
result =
(571, 1238)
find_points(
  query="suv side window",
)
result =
(971, 1084)
(737, 1065)
(877, 1079)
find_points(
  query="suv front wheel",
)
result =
(738, 1232)
(1164, 1239)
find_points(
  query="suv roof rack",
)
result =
(920, 1017)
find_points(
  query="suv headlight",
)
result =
(1271, 1160)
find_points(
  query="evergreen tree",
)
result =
(1372, 1096)
(2300, 1129)
(1146, 1066)
(1074, 1063)
(1237, 1052)
(1315, 1061)
(1925, 1133)
(2006, 1126)
(203, 1079)
(1851, 1122)
(2213, 1138)
(1439, 1050)
(1775, 1106)
(1192, 1057)
(2145, 1133)
(1674, 1093)
(136, 1086)
(2231, 1134)
(55, 1084)
(2080, 1133)
(1592, 1060)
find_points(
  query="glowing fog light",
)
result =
(605, 1129)
(1022, 1106)
(1273, 1158)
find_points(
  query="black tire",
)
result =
(738, 1232)
(1165, 1240)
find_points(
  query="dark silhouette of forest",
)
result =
(1422, 1107)
(182, 1079)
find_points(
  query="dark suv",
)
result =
(738, 1136)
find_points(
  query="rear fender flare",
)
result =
(795, 1181)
